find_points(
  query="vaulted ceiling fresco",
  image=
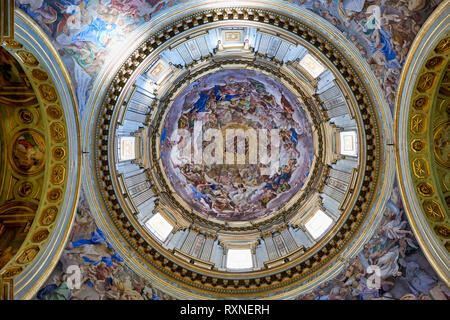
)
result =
(358, 90)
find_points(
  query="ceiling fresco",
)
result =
(198, 248)
(406, 273)
(104, 276)
(237, 100)
(85, 34)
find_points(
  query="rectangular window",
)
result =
(348, 143)
(126, 148)
(310, 64)
(318, 224)
(159, 226)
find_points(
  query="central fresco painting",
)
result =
(236, 145)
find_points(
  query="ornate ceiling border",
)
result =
(417, 100)
(381, 175)
(51, 227)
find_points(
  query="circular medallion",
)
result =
(48, 93)
(28, 58)
(39, 75)
(11, 272)
(48, 216)
(54, 195)
(40, 235)
(54, 112)
(59, 153)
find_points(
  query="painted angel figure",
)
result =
(97, 31)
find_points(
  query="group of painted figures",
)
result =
(241, 101)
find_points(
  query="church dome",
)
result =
(238, 152)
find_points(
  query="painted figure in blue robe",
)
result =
(163, 136)
(280, 178)
(97, 237)
(294, 136)
(54, 292)
(383, 44)
(386, 48)
(97, 32)
(284, 177)
(156, 297)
